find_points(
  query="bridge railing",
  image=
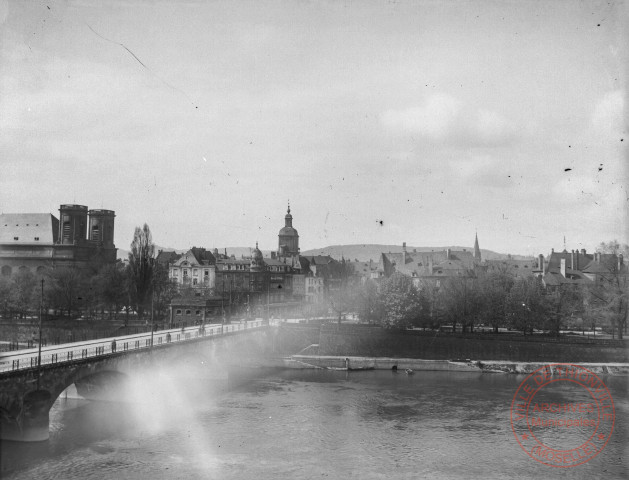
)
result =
(119, 345)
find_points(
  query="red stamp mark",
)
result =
(562, 415)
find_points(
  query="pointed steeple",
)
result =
(477, 256)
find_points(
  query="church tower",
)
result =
(288, 238)
(477, 257)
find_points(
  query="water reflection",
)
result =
(302, 424)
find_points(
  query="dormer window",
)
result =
(16, 238)
(37, 239)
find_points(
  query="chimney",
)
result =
(540, 262)
(448, 254)
(563, 267)
(404, 253)
(583, 251)
(620, 261)
(430, 265)
(573, 262)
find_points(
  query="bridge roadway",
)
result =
(70, 352)
(28, 390)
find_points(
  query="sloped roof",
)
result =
(165, 258)
(554, 260)
(556, 279)
(417, 264)
(608, 264)
(203, 256)
(319, 259)
(195, 257)
(28, 226)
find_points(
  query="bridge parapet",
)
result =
(71, 352)
(28, 390)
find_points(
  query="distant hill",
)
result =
(361, 252)
(366, 252)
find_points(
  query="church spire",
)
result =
(477, 256)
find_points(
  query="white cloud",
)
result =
(608, 115)
(445, 119)
(435, 119)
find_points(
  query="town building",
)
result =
(579, 268)
(36, 242)
(254, 284)
(432, 267)
(195, 268)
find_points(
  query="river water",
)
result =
(304, 424)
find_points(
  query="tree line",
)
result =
(112, 291)
(493, 299)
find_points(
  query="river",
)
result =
(304, 424)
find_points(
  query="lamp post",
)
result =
(152, 324)
(41, 304)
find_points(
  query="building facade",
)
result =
(35, 242)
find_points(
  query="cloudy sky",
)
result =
(382, 121)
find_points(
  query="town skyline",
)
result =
(382, 123)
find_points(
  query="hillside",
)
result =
(363, 253)
(368, 252)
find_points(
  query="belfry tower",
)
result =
(288, 238)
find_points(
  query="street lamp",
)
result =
(152, 325)
(41, 303)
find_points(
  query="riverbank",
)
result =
(370, 341)
(415, 364)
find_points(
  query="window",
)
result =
(195, 273)
(185, 272)
(187, 312)
(178, 311)
(37, 239)
(175, 273)
(198, 312)
(206, 273)
(194, 281)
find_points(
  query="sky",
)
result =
(381, 121)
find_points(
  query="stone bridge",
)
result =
(28, 393)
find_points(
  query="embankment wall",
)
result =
(367, 341)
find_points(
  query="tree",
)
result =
(22, 296)
(5, 295)
(165, 289)
(64, 289)
(611, 295)
(402, 306)
(527, 306)
(141, 268)
(112, 285)
(494, 288)
(342, 298)
(613, 247)
(565, 302)
(369, 302)
(459, 301)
